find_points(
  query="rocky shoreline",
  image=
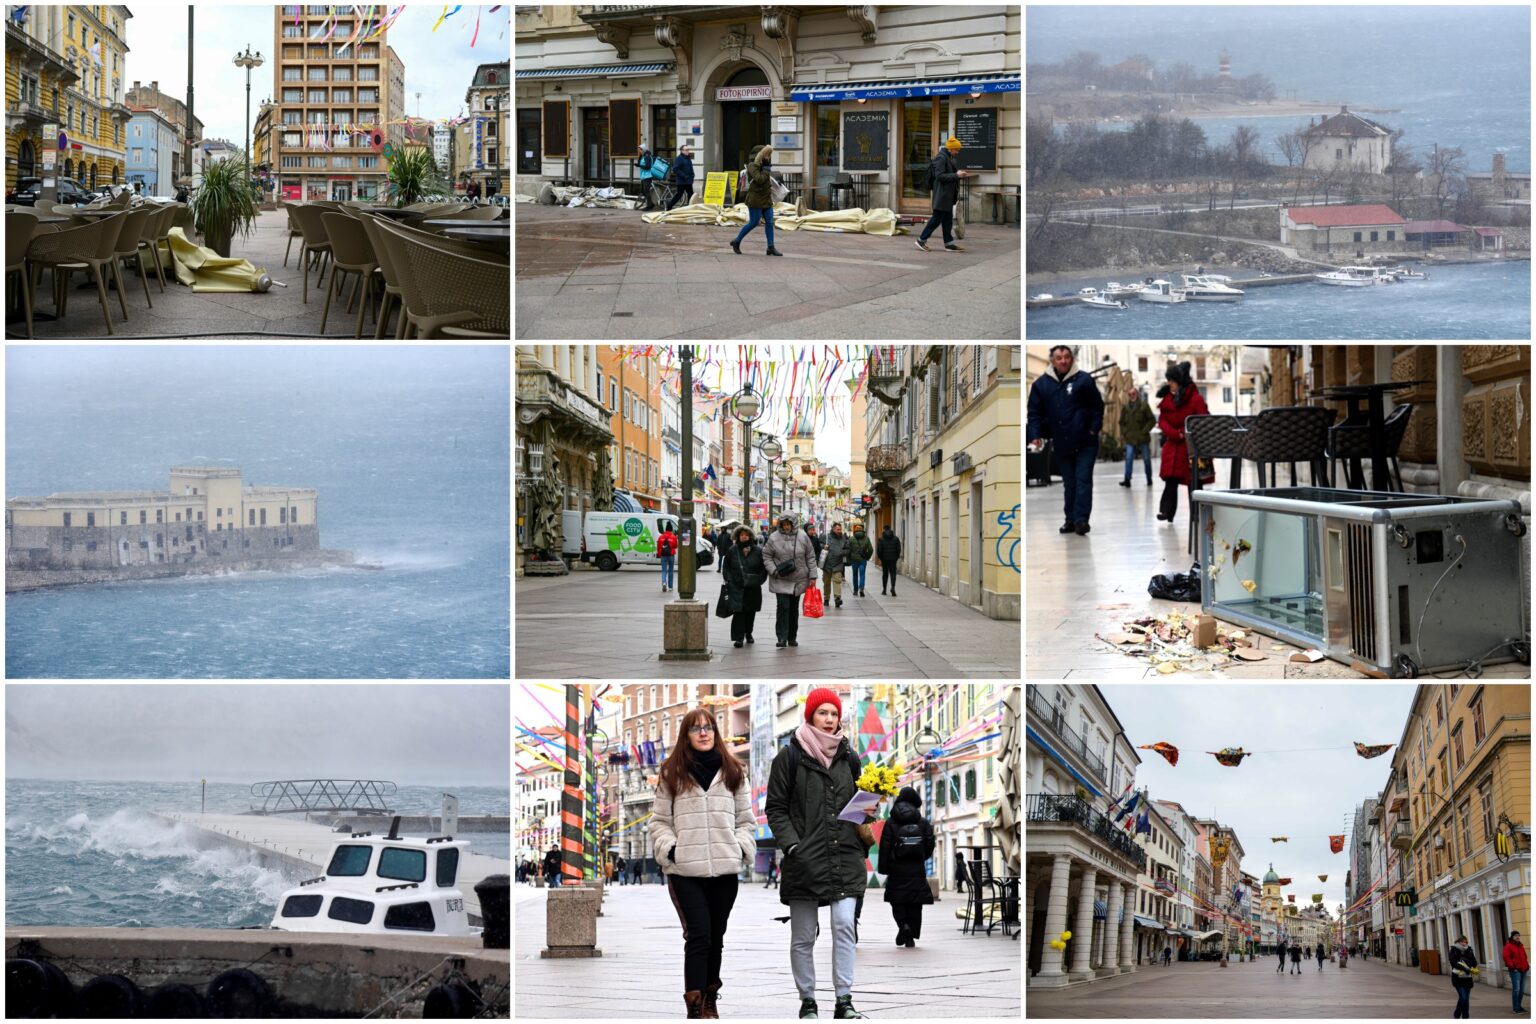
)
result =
(18, 580)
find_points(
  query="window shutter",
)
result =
(557, 129)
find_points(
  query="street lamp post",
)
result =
(746, 406)
(770, 449)
(927, 742)
(248, 60)
(685, 621)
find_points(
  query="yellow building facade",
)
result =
(1468, 760)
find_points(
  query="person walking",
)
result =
(834, 558)
(1282, 949)
(772, 876)
(1295, 958)
(888, 557)
(744, 578)
(635, 867)
(1136, 423)
(812, 779)
(1167, 954)
(906, 843)
(666, 550)
(961, 876)
(1065, 407)
(759, 199)
(1320, 957)
(816, 541)
(944, 180)
(552, 866)
(1519, 967)
(860, 551)
(1180, 400)
(702, 829)
(682, 176)
(1463, 964)
(790, 559)
(1344, 955)
(723, 541)
(618, 870)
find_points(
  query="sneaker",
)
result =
(922, 245)
(845, 1010)
(839, 602)
(807, 1008)
(954, 248)
(794, 643)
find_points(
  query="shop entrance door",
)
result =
(342, 192)
(924, 127)
(594, 144)
(744, 127)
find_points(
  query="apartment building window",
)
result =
(143, 516)
(317, 95)
(341, 95)
(1478, 731)
(69, 518)
(292, 161)
(1466, 828)
(490, 156)
(1439, 710)
(293, 515)
(253, 517)
(341, 162)
(292, 117)
(1485, 801)
(319, 52)
(341, 74)
(1456, 745)
(293, 95)
(293, 32)
(317, 161)
(315, 75)
(367, 74)
(122, 519)
(159, 540)
(367, 161)
(367, 95)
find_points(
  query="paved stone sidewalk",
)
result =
(600, 273)
(1365, 989)
(608, 625)
(640, 974)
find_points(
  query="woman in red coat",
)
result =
(1179, 402)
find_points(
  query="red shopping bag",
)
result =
(811, 607)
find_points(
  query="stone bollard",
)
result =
(933, 887)
(570, 923)
(495, 910)
(597, 884)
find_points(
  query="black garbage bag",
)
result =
(1181, 586)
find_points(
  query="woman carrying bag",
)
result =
(702, 828)
(745, 575)
(812, 779)
(1179, 400)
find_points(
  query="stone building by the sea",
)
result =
(1346, 140)
(206, 515)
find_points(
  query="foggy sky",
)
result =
(417, 734)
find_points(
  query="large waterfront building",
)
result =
(206, 513)
(480, 152)
(1347, 141)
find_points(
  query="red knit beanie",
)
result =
(819, 696)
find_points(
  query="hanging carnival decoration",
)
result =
(1336, 843)
(1168, 750)
(1291, 897)
(1317, 897)
(1372, 751)
(1322, 878)
(1230, 756)
(1279, 839)
(1220, 844)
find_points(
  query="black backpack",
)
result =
(925, 183)
(909, 842)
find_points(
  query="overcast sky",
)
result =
(439, 65)
(1307, 795)
(412, 734)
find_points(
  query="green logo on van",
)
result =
(631, 536)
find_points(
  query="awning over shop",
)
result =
(598, 71)
(1204, 936)
(1149, 924)
(905, 89)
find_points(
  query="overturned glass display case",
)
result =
(1389, 584)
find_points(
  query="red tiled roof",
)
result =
(1343, 216)
(1418, 227)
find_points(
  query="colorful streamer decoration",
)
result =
(1279, 839)
(1168, 750)
(1230, 756)
(1336, 843)
(1372, 751)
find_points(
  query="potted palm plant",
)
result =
(223, 204)
(412, 176)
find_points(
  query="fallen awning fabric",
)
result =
(1149, 924)
(1203, 936)
(598, 71)
(908, 88)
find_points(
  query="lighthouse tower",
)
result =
(1226, 66)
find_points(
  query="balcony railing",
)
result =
(1065, 733)
(1051, 807)
(889, 459)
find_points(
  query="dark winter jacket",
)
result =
(859, 548)
(551, 863)
(682, 171)
(816, 541)
(1136, 423)
(1069, 412)
(888, 547)
(837, 552)
(759, 189)
(908, 832)
(1461, 960)
(946, 180)
(824, 857)
(745, 575)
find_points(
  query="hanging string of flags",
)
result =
(1232, 757)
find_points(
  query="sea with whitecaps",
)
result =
(408, 448)
(91, 853)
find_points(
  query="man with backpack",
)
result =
(906, 843)
(666, 550)
(944, 181)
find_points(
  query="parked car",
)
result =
(28, 189)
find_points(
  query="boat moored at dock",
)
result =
(1161, 291)
(1355, 277)
(1103, 302)
(1209, 288)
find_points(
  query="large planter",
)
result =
(217, 238)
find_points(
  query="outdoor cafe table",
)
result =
(496, 237)
(393, 212)
(1370, 395)
(448, 222)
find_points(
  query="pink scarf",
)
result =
(820, 745)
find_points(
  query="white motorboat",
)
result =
(382, 885)
(1353, 277)
(1407, 274)
(1103, 302)
(1116, 290)
(1161, 291)
(1206, 288)
(1041, 297)
(1087, 293)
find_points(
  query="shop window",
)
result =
(664, 130)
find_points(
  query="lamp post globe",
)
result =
(746, 406)
(248, 60)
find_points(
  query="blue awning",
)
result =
(907, 89)
(1090, 787)
(598, 71)
(1149, 924)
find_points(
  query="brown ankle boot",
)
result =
(695, 1000)
(711, 995)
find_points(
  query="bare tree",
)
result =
(1403, 173)
(1444, 173)
(1326, 180)
(1244, 141)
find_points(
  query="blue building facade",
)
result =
(151, 141)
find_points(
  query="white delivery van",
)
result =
(612, 539)
(570, 536)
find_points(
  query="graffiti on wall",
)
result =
(1008, 557)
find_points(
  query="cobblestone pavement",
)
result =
(946, 976)
(1366, 988)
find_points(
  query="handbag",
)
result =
(779, 191)
(810, 606)
(725, 607)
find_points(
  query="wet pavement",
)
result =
(600, 273)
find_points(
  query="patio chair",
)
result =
(1352, 442)
(135, 222)
(19, 229)
(1290, 434)
(316, 242)
(448, 295)
(158, 230)
(87, 247)
(451, 244)
(294, 231)
(1214, 437)
(392, 292)
(351, 253)
(989, 891)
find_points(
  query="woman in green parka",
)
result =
(759, 198)
(811, 781)
(1136, 423)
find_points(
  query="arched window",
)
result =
(69, 168)
(25, 159)
(748, 76)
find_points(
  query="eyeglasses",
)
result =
(702, 729)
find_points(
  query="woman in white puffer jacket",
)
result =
(702, 829)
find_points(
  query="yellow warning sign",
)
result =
(717, 186)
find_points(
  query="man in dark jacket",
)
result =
(906, 843)
(832, 563)
(682, 175)
(810, 531)
(722, 545)
(888, 554)
(759, 199)
(944, 175)
(1136, 423)
(1065, 406)
(860, 551)
(552, 866)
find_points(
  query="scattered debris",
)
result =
(1210, 527)
(1248, 654)
(1308, 656)
(1249, 585)
(1242, 547)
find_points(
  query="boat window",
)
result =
(350, 860)
(406, 865)
(416, 917)
(302, 906)
(344, 908)
(447, 867)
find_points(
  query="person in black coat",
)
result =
(816, 541)
(888, 551)
(1065, 407)
(1463, 961)
(722, 547)
(745, 575)
(552, 867)
(945, 176)
(961, 875)
(906, 843)
(682, 174)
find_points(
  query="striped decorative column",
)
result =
(570, 797)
